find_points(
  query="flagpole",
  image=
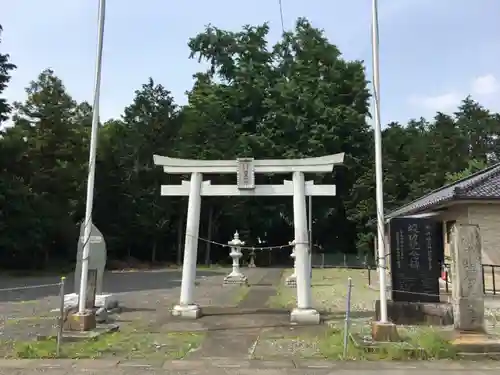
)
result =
(378, 166)
(92, 157)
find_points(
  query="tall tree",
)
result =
(480, 129)
(149, 125)
(55, 162)
(298, 98)
(5, 69)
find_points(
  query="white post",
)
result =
(304, 313)
(92, 156)
(236, 277)
(187, 308)
(291, 280)
(378, 167)
(309, 228)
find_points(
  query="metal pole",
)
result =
(378, 165)
(92, 156)
(347, 316)
(61, 318)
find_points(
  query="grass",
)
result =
(123, 345)
(241, 293)
(329, 293)
(417, 344)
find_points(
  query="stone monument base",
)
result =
(305, 316)
(81, 322)
(417, 313)
(475, 342)
(235, 280)
(108, 301)
(291, 281)
(469, 314)
(187, 311)
(384, 332)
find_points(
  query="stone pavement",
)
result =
(234, 332)
(217, 366)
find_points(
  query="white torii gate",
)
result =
(245, 169)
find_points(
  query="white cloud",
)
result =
(443, 103)
(485, 85)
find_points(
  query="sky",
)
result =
(433, 53)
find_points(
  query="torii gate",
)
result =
(245, 169)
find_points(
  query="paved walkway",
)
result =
(234, 332)
(217, 366)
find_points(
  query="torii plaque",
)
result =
(245, 168)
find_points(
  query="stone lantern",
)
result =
(291, 280)
(236, 277)
(251, 263)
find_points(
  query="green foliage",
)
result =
(129, 345)
(472, 167)
(296, 98)
(420, 344)
(5, 68)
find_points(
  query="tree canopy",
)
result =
(296, 98)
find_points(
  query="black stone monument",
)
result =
(416, 246)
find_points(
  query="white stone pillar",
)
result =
(291, 280)
(304, 313)
(187, 308)
(236, 277)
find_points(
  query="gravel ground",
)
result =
(329, 291)
(146, 297)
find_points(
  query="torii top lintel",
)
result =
(322, 164)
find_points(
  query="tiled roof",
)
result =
(484, 184)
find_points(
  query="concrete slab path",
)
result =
(230, 366)
(234, 332)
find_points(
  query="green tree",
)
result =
(473, 167)
(5, 68)
(480, 129)
(297, 98)
(130, 180)
(54, 164)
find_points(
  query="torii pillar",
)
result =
(245, 170)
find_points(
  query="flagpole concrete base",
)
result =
(81, 321)
(384, 332)
(305, 316)
(187, 311)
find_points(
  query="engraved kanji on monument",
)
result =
(467, 282)
(97, 258)
(415, 244)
